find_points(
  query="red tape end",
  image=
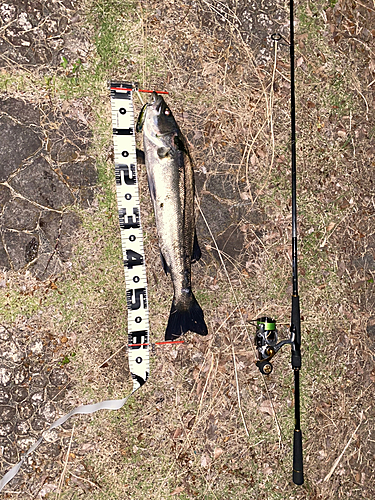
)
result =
(139, 90)
(159, 343)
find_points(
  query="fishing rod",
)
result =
(266, 338)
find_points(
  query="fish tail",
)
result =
(184, 318)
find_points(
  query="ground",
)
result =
(206, 424)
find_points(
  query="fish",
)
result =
(170, 178)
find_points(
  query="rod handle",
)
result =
(297, 458)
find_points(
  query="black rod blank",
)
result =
(295, 316)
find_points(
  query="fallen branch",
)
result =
(343, 451)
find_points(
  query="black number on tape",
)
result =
(140, 337)
(123, 131)
(120, 95)
(133, 298)
(129, 180)
(127, 221)
(133, 259)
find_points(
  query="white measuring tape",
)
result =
(131, 230)
(134, 261)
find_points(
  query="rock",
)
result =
(231, 244)
(22, 111)
(218, 215)
(21, 215)
(4, 261)
(223, 185)
(366, 262)
(39, 183)
(47, 265)
(31, 250)
(17, 144)
(68, 138)
(59, 229)
(20, 247)
(5, 196)
(19, 394)
(80, 174)
(85, 197)
(4, 396)
(58, 377)
(10, 453)
(7, 413)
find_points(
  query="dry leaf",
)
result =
(178, 490)
(191, 423)
(218, 452)
(330, 226)
(300, 61)
(205, 461)
(267, 469)
(177, 433)
(253, 159)
(266, 407)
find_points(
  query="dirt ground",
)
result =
(206, 425)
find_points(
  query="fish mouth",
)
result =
(156, 101)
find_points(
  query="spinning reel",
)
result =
(266, 343)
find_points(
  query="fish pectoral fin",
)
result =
(166, 268)
(163, 152)
(140, 157)
(197, 254)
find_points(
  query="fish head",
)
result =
(156, 119)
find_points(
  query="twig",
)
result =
(238, 392)
(114, 354)
(343, 451)
(62, 477)
(84, 479)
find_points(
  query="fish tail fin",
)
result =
(183, 319)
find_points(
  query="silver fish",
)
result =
(171, 183)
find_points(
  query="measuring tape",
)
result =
(131, 230)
